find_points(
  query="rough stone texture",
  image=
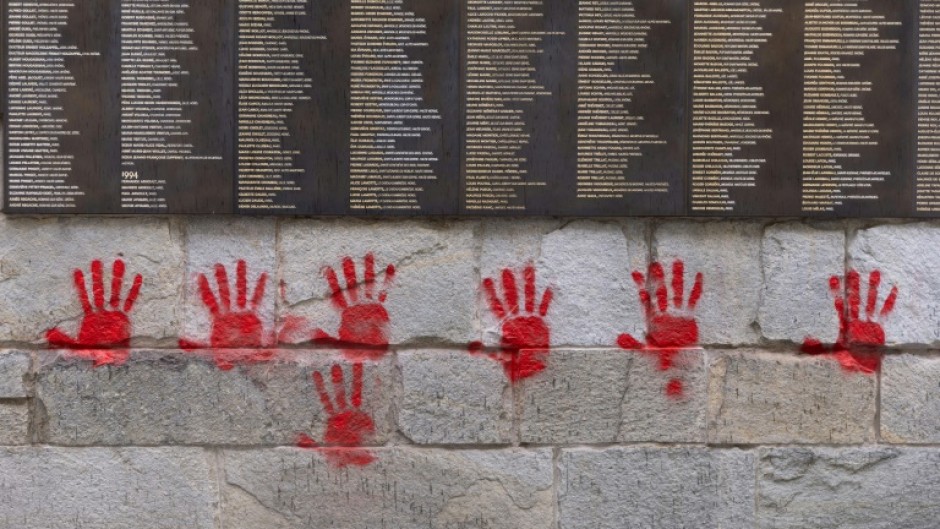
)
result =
(589, 265)
(905, 256)
(762, 397)
(432, 296)
(910, 400)
(662, 488)
(172, 398)
(14, 366)
(102, 488)
(403, 489)
(594, 297)
(225, 240)
(14, 424)
(38, 257)
(728, 256)
(452, 397)
(798, 261)
(850, 488)
(613, 395)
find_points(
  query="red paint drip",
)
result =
(363, 330)
(668, 333)
(525, 335)
(860, 345)
(105, 330)
(234, 325)
(347, 427)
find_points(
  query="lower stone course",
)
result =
(107, 488)
(850, 488)
(403, 489)
(662, 488)
(871, 487)
(166, 397)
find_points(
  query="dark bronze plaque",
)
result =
(731, 108)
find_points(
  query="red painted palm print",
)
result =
(348, 428)
(671, 326)
(363, 329)
(525, 335)
(861, 339)
(105, 330)
(234, 325)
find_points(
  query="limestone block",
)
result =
(605, 396)
(728, 256)
(225, 240)
(798, 261)
(403, 488)
(910, 402)
(763, 397)
(166, 397)
(14, 365)
(851, 488)
(105, 488)
(430, 299)
(453, 397)
(666, 488)
(39, 256)
(903, 253)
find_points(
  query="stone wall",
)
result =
(449, 391)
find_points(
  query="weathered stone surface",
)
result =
(38, 257)
(174, 398)
(226, 240)
(613, 396)
(403, 489)
(14, 423)
(910, 402)
(798, 261)
(101, 488)
(588, 264)
(452, 397)
(14, 366)
(905, 256)
(762, 397)
(728, 256)
(432, 296)
(594, 297)
(665, 488)
(850, 488)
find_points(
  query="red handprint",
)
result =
(363, 328)
(526, 337)
(667, 332)
(860, 342)
(237, 327)
(102, 328)
(348, 427)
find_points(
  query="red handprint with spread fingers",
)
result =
(526, 337)
(363, 328)
(669, 329)
(105, 331)
(860, 341)
(348, 427)
(233, 327)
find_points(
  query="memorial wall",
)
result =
(473, 107)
